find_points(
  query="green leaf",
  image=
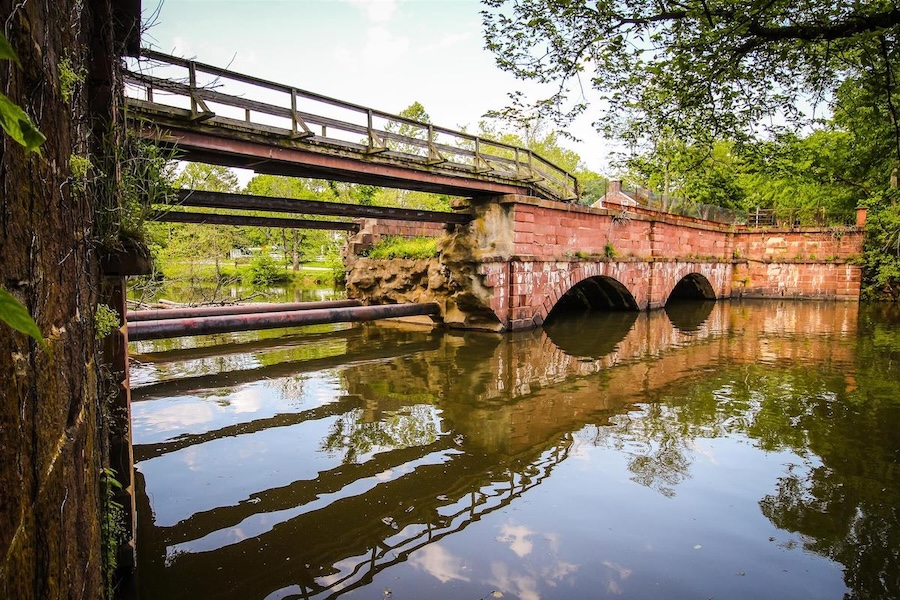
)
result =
(19, 127)
(6, 51)
(14, 314)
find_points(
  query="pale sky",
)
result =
(385, 54)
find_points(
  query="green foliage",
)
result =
(14, 314)
(790, 174)
(705, 70)
(112, 526)
(7, 52)
(400, 247)
(265, 271)
(69, 78)
(338, 270)
(125, 203)
(18, 125)
(106, 320)
(882, 256)
(81, 168)
(211, 178)
(609, 250)
(13, 119)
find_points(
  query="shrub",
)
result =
(401, 247)
(263, 270)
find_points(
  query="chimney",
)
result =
(615, 187)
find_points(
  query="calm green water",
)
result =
(730, 450)
(202, 292)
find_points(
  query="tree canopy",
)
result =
(708, 69)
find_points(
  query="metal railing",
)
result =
(214, 96)
(786, 218)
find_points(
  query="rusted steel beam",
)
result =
(204, 199)
(162, 314)
(168, 328)
(177, 216)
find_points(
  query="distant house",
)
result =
(615, 197)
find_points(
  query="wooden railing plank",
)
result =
(478, 156)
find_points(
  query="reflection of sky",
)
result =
(592, 531)
(158, 420)
(438, 562)
(143, 373)
(261, 523)
(225, 471)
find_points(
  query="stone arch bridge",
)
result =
(521, 259)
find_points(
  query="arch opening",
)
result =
(693, 286)
(594, 294)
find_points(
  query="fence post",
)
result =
(376, 144)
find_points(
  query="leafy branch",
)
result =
(13, 119)
(19, 127)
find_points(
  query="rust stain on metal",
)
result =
(160, 329)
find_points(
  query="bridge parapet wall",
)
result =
(549, 230)
(805, 263)
(818, 244)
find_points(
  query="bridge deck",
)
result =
(222, 117)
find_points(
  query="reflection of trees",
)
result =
(844, 496)
(355, 437)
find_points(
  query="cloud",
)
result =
(448, 40)
(377, 11)
(383, 47)
(517, 538)
(523, 586)
(173, 418)
(439, 563)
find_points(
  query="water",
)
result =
(203, 292)
(730, 450)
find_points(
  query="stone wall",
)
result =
(371, 231)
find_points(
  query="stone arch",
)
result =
(692, 286)
(597, 292)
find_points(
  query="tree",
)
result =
(531, 134)
(706, 69)
(306, 244)
(191, 241)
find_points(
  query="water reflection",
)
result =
(687, 316)
(742, 450)
(591, 334)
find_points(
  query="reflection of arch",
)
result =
(692, 286)
(689, 316)
(594, 293)
(590, 334)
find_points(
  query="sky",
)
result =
(385, 54)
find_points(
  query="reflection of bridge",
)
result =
(507, 426)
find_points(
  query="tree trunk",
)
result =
(296, 251)
(51, 432)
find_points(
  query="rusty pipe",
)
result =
(233, 309)
(168, 328)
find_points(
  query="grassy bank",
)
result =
(205, 272)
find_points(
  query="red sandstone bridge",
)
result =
(518, 250)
